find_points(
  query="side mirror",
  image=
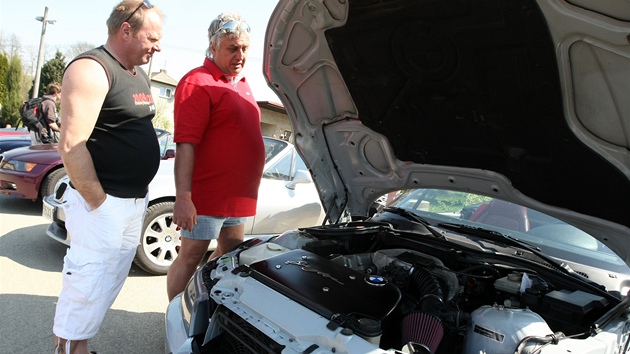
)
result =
(301, 176)
(169, 154)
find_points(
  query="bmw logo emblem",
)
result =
(375, 280)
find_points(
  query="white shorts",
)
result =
(102, 246)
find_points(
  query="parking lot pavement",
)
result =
(30, 281)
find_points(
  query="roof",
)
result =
(163, 78)
(272, 106)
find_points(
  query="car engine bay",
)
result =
(355, 287)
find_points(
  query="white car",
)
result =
(506, 127)
(287, 198)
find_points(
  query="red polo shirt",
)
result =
(223, 122)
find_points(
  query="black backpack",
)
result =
(30, 111)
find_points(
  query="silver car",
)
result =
(287, 198)
(504, 125)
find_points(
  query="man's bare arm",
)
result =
(85, 86)
(184, 213)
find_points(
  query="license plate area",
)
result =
(48, 212)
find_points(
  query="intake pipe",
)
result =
(422, 330)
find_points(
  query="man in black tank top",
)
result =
(110, 151)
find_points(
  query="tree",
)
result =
(13, 100)
(10, 45)
(161, 119)
(78, 48)
(4, 69)
(52, 71)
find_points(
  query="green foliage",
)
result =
(161, 119)
(472, 199)
(446, 201)
(442, 201)
(4, 69)
(52, 71)
(11, 97)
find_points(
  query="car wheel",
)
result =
(160, 240)
(48, 184)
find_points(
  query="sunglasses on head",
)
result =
(145, 3)
(232, 26)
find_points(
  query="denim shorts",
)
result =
(209, 227)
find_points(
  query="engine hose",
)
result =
(550, 338)
(428, 289)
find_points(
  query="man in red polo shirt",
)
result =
(220, 150)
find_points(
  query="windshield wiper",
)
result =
(512, 241)
(508, 240)
(414, 217)
(488, 235)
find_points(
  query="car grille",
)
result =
(243, 338)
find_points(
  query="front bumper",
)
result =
(176, 340)
(53, 212)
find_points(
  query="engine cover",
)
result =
(326, 287)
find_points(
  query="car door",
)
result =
(287, 197)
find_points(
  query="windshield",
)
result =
(553, 236)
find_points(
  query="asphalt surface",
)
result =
(30, 281)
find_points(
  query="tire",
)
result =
(160, 241)
(48, 184)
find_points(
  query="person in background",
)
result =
(49, 117)
(110, 151)
(220, 151)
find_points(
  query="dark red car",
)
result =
(31, 172)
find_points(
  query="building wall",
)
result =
(274, 124)
(165, 105)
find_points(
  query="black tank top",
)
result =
(123, 144)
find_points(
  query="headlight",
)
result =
(21, 166)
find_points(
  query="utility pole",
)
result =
(40, 57)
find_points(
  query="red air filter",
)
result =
(422, 328)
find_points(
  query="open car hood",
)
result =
(524, 100)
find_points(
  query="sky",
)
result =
(185, 31)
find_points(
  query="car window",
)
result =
(163, 141)
(299, 164)
(281, 170)
(273, 148)
(166, 143)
